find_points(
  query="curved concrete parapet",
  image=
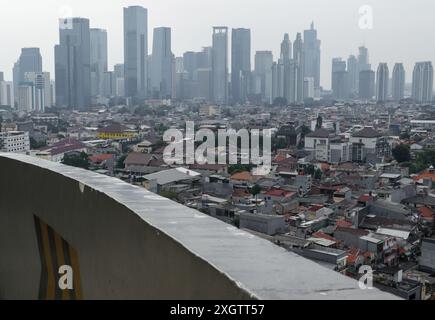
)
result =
(124, 242)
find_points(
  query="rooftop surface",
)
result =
(263, 269)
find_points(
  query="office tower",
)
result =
(339, 79)
(30, 60)
(53, 92)
(204, 58)
(363, 62)
(287, 65)
(299, 61)
(309, 88)
(263, 74)
(118, 79)
(99, 60)
(7, 97)
(25, 97)
(205, 79)
(286, 49)
(312, 57)
(363, 59)
(161, 64)
(108, 84)
(382, 81)
(220, 65)
(422, 82)
(40, 83)
(398, 83)
(179, 64)
(352, 70)
(366, 84)
(278, 80)
(240, 64)
(136, 51)
(73, 64)
(118, 69)
(190, 64)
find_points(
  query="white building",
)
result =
(309, 90)
(7, 93)
(326, 146)
(25, 98)
(14, 141)
(364, 142)
(41, 90)
(318, 143)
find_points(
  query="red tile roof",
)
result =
(279, 193)
(426, 212)
(242, 176)
(365, 198)
(99, 158)
(425, 175)
(343, 224)
(322, 235)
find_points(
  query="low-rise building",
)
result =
(14, 141)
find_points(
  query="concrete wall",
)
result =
(131, 244)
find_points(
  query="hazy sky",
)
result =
(403, 31)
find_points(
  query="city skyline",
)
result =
(193, 34)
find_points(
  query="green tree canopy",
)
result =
(80, 160)
(402, 153)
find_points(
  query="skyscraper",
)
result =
(263, 72)
(366, 84)
(190, 64)
(398, 84)
(278, 75)
(240, 63)
(161, 64)
(7, 97)
(339, 80)
(40, 83)
(352, 69)
(220, 65)
(99, 60)
(299, 62)
(30, 60)
(382, 81)
(136, 51)
(73, 64)
(312, 57)
(363, 62)
(363, 59)
(286, 49)
(422, 82)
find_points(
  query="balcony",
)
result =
(123, 242)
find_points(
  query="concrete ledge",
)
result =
(132, 244)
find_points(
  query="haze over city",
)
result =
(401, 29)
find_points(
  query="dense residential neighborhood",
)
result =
(357, 190)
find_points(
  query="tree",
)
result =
(423, 161)
(401, 153)
(318, 174)
(232, 169)
(319, 123)
(255, 191)
(120, 163)
(405, 136)
(37, 144)
(79, 160)
(310, 169)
